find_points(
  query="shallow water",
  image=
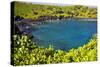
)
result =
(65, 34)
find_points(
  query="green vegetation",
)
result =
(36, 11)
(26, 52)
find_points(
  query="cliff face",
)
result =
(16, 29)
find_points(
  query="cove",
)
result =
(65, 34)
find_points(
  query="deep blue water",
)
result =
(65, 34)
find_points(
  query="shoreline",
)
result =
(84, 19)
(51, 18)
(30, 24)
(38, 22)
(78, 19)
(87, 19)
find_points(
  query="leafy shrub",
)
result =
(28, 52)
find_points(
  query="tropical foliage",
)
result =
(35, 11)
(26, 52)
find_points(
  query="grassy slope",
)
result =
(34, 11)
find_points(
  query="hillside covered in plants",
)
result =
(25, 50)
(49, 12)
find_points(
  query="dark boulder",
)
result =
(18, 18)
